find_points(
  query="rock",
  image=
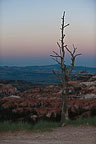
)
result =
(34, 117)
(93, 83)
(85, 114)
(14, 96)
(49, 114)
(45, 102)
(93, 78)
(7, 90)
(30, 108)
(89, 96)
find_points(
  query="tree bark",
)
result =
(65, 71)
(64, 111)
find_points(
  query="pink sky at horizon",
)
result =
(30, 29)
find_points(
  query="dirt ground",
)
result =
(62, 135)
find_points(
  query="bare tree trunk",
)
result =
(66, 105)
(65, 71)
(64, 111)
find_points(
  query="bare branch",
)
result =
(66, 25)
(78, 54)
(56, 60)
(65, 46)
(73, 61)
(68, 50)
(56, 54)
(64, 14)
(74, 49)
(77, 75)
(58, 45)
(64, 35)
(57, 75)
(73, 56)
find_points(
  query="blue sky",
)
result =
(31, 28)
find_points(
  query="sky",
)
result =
(30, 29)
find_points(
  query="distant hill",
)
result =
(21, 85)
(36, 74)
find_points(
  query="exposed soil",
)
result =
(62, 135)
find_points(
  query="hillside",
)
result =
(36, 74)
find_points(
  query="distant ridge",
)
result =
(36, 74)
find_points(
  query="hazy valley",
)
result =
(37, 75)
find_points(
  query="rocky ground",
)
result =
(45, 102)
(62, 135)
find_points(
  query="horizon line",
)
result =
(42, 65)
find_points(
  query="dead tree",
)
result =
(64, 77)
